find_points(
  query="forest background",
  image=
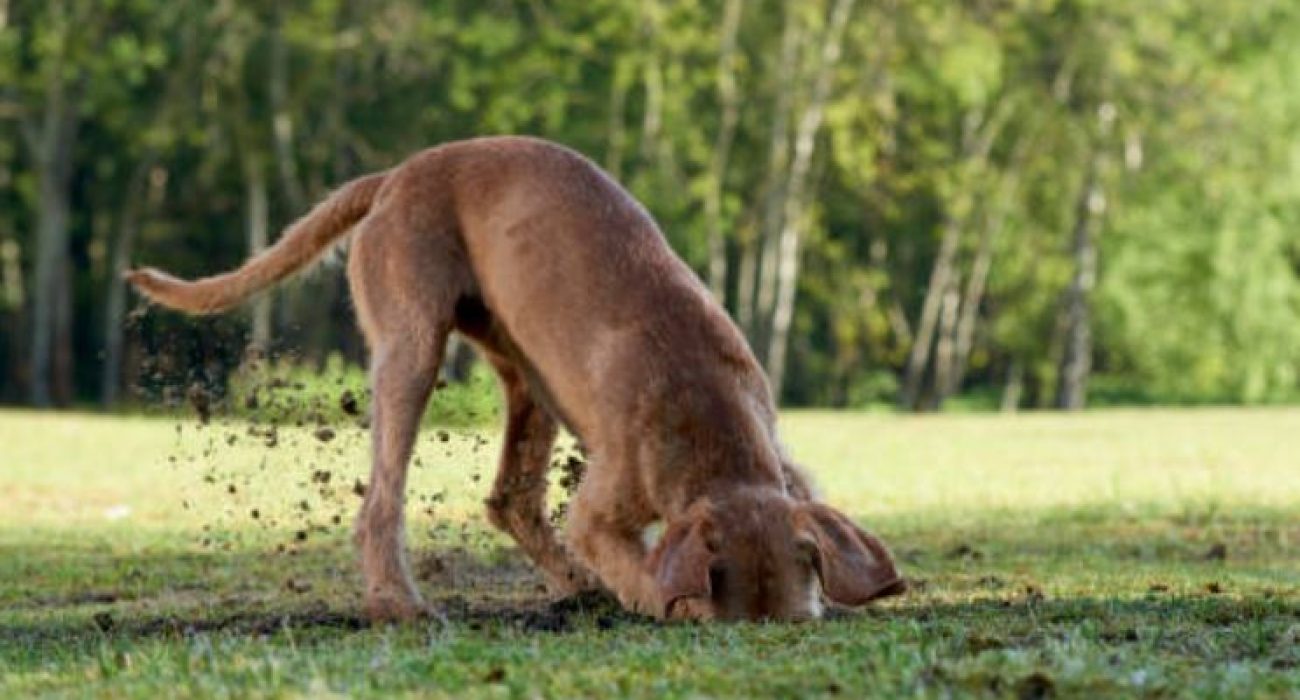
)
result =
(918, 203)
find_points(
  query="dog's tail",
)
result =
(301, 243)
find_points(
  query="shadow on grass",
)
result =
(541, 616)
(1237, 628)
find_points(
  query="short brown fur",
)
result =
(569, 289)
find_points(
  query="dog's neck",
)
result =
(734, 450)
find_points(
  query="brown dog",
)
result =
(568, 288)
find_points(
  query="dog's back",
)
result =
(577, 274)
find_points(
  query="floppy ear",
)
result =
(680, 561)
(854, 566)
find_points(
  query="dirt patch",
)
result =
(559, 616)
(546, 617)
(201, 401)
(1036, 686)
(251, 624)
(1217, 552)
(537, 615)
(503, 571)
(964, 551)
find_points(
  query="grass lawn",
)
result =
(1115, 553)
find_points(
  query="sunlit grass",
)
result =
(1127, 552)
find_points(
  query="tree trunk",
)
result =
(746, 279)
(11, 269)
(145, 188)
(258, 237)
(1076, 360)
(964, 333)
(300, 305)
(11, 314)
(63, 360)
(729, 105)
(1089, 213)
(345, 75)
(758, 297)
(51, 146)
(616, 130)
(323, 334)
(945, 352)
(980, 130)
(918, 359)
(794, 217)
(653, 78)
(281, 115)
(115, 308)
(975, 286)
(1014, 387)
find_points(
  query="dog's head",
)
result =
(765, 556)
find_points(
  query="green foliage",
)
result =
(976, 122)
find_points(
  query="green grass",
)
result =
(1117, 553)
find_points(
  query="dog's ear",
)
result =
(680, 561)
(853, 565)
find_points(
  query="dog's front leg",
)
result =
(608, 542)
(403, 376)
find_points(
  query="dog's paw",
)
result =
(390, 607)
(690, 609)
(576, 581)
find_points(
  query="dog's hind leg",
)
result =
(402, 376)
(404, 291)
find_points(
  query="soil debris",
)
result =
(571, 473)
(348, 403)
(201, 401)
(270, 434)
(1036, 686)
(557, 617)
(104, 621)
(964, 551)
(252, 623)
(977, 643)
